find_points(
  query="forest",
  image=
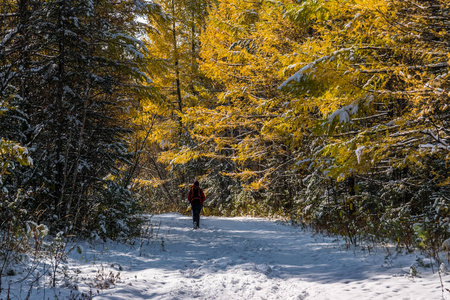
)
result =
(330, 114)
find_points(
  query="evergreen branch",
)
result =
(423, 67)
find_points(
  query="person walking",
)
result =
(196, 197)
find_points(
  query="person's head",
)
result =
(196, 183)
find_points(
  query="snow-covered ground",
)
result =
(235, 258)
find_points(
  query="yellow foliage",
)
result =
(356, 93)
(154, 182)
(256, 185)
(11, 151)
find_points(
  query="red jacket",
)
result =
(191, 195)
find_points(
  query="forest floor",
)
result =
(233, 258)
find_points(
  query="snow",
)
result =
(235, 258)
(359, 151)
(446, 244)
(435, 147)
(344, 113)
(297, 77)
(8, 37)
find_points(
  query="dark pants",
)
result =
(196, 209)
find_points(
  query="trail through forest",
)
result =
(247, 258)
(228, 258)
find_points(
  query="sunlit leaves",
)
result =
(11, 153)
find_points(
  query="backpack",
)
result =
(196, 193)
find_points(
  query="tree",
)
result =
(244, 133)
(82, 71)
(173, 45)
(375, 76)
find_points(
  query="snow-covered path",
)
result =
(246, 258)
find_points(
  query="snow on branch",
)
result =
(441, 143)
(344, 113)
(5, 76)
(434, 147)
(421, 67)
(8, 37)
(359, 152)
(299, 74)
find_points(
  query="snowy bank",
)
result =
(231, 258)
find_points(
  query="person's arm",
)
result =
(203, 196)
(190, 195)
